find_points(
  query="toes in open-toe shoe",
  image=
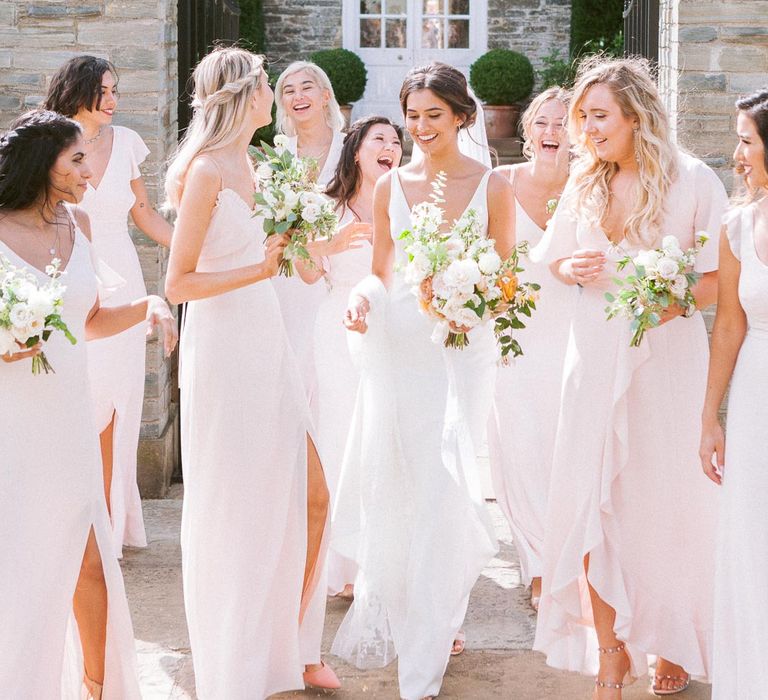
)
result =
(680, 684)
(459, 643)
(323, 677)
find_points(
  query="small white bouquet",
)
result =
(663, 277)
(290, 201)
(30, 312)
(459, 278)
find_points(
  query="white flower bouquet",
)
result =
(291, 202)
(30, 312)
(459, 278)
(663, 277)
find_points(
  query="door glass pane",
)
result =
(458, 33)
(370, 7)
(433, 7)
(395, 33)
(370, 33)
(458, 7)
(432, 34)
(396, 7)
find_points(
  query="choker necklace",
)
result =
(95, 138)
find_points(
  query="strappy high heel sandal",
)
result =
(659, 692)
(611, 685)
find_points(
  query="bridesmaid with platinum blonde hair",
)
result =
(255, 499)
(628, 540)
(309, 115)
(521, 432)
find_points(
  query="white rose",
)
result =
(647, 259)
(465, 317)
(489, 263)
(671, 246)
(463, 275)
(264, 172)
(290, 197)
(310, 213)
(667, 268)
(7, 342)
(40, 303)
(440, 332)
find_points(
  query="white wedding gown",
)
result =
(409, 508)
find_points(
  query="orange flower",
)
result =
(425, 293)
(508, 285)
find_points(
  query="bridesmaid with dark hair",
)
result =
(372, 147)
(85, 89)
(737, 459)
(56, 553)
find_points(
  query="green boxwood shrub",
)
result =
(345, 70)
(501, 77)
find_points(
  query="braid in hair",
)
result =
(28, 151)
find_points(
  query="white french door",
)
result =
(392, 36)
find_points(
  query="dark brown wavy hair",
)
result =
(77, 84)
(346, 179)
(755, 106)
(448, 83)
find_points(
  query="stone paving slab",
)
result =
(498, 662)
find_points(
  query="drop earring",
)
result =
(637, 148)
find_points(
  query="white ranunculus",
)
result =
(7, 342)
(310, 213)
(489, 263)
(679, 286)
(463, 275)
(440, 332)
(667, 269)
(281, 142)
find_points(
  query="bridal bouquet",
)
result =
(460, 280)
(30, 312)
(663, 277)
(290, 201)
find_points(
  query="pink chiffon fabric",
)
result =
(626, 485)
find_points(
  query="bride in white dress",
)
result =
(56, 554)
(255, 499)
(414, 517)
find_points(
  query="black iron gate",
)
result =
(641, 28)
(201, 23)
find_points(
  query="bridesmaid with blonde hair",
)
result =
(738, 459)
(521, 431)
(308, 113)
(255, 500)
(623, 483)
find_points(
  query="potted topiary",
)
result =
(347, 73)
(501, 79)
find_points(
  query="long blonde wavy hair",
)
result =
(630, 82)
(225, 81)
(529, 116)
(333, 116)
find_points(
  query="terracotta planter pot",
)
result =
(346, 110)
(501, 120)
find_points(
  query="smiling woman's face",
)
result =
(302, 98)
(430, 121)
(548, 134)
(750, 152)
(607, 128)
(70, 174)
(379, 152)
